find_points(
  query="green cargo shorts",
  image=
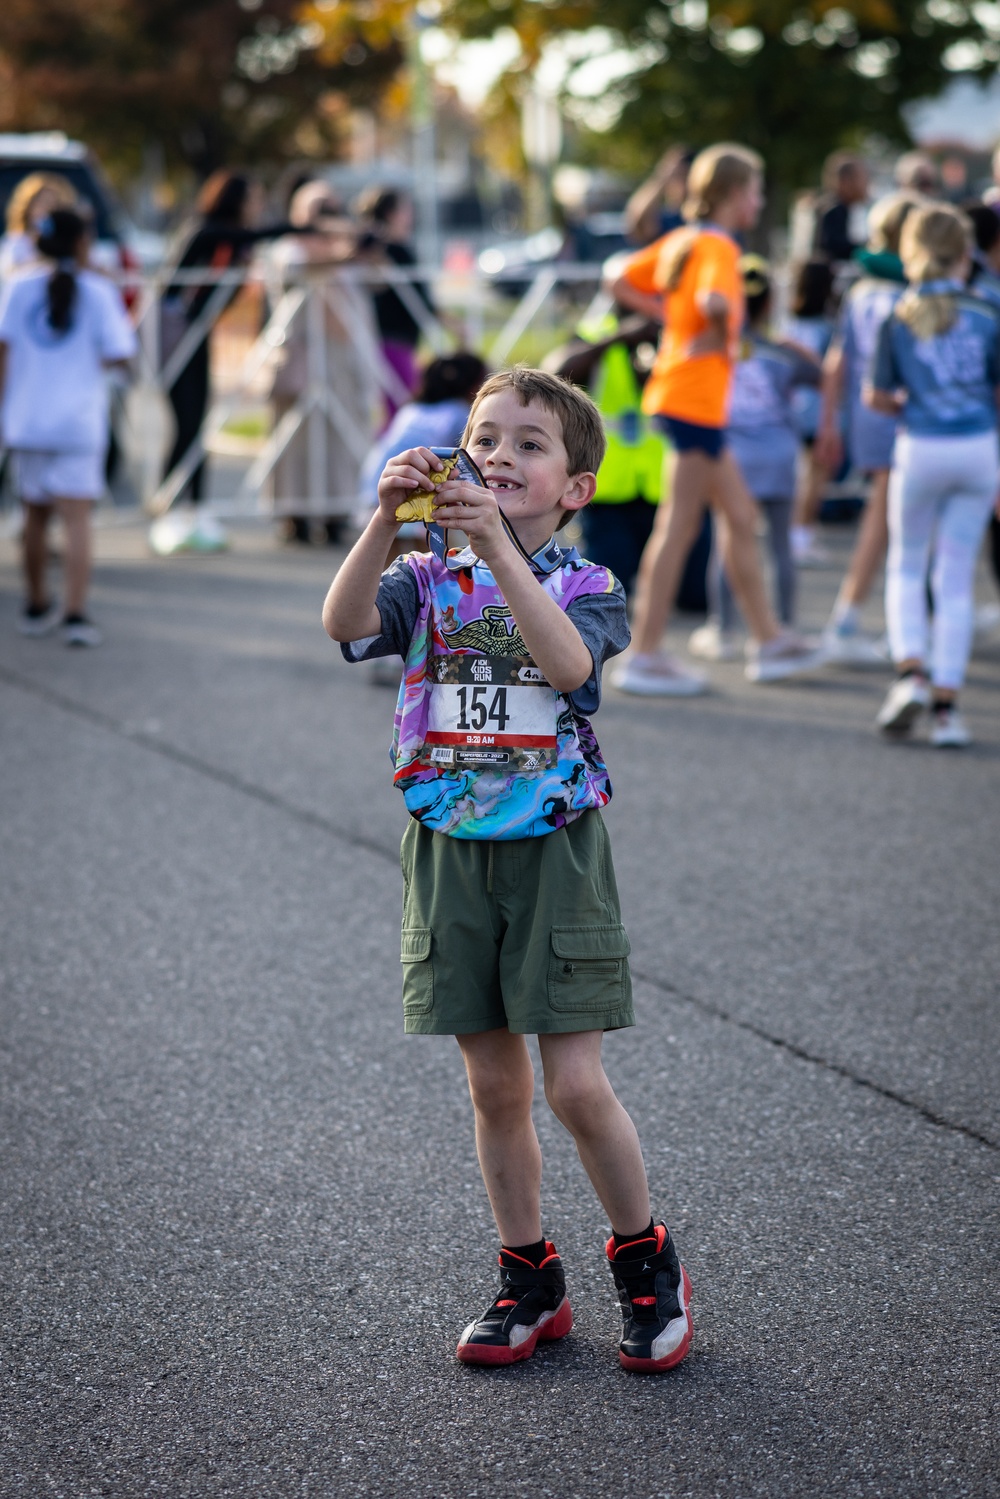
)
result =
(524, 933)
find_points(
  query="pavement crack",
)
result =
(717, 1012)
(213, 772)
(310, 819)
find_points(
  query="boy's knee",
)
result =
(501, 1092)
(575, 1098)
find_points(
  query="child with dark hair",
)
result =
(435, 418)
(61, 327)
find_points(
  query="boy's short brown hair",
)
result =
(582, 428)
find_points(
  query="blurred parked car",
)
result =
(118, 246)
(512, 267)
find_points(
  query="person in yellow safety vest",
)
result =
(606, 358)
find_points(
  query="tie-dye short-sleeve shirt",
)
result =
(482, 746)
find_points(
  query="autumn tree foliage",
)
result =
(224, 80)
(209, 81)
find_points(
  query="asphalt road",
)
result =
(242, 1224)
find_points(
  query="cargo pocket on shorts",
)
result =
(418, 972)
(587, 967)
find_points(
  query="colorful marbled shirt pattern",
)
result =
(483, 747)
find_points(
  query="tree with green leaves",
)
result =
(793, 81)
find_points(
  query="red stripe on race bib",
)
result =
(502, 741)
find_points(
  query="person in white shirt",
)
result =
(61, 327)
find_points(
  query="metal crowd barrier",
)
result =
(300, 300)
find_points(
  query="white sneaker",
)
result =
(81, 632)
(811, 555)
(785, 656)
(186, 529)
(949, 729)
(30, 623)
(851, 647)
(657, 675)
(711, 642)
(904, 702)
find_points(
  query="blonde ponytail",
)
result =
(715, 175)
(674, 257)
(927, 316)
(932, 246)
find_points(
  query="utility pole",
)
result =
(424, 145)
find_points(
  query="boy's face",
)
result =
(521, 454)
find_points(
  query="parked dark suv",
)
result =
(116, 247)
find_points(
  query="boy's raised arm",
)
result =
(349, 612)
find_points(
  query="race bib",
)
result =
(491, 711)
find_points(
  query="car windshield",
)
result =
(78, 173)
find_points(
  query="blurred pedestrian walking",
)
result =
(388, 214)
(937, 366)
(870, 434)
(845, 190)
(61, 327)
(764, 441)
(223, 238)
(809, 324)
(690, 281)
(325, 242)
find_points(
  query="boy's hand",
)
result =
(474, 510)
(401, 476)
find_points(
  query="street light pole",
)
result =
(541, 141)
(424, 144)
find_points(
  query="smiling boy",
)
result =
(511, 920)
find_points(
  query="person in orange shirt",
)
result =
(690, 280)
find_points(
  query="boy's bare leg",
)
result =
(582, 1099)
(75, 516)
(34, 540)
(869, 549)
(678, 521)
(502, 1085)
(736, 516)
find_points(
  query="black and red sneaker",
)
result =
(530, 1304)
(655, 1294)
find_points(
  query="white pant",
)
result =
(941, 492)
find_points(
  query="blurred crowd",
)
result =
(800, 436)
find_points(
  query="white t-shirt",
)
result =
(55, 394)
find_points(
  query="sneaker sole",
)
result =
(903, 721)
(864, 658)
(779, 670)
(661, 1365)
(557, 1326)
(950, 744)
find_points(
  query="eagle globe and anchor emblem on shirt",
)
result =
(490, 633)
